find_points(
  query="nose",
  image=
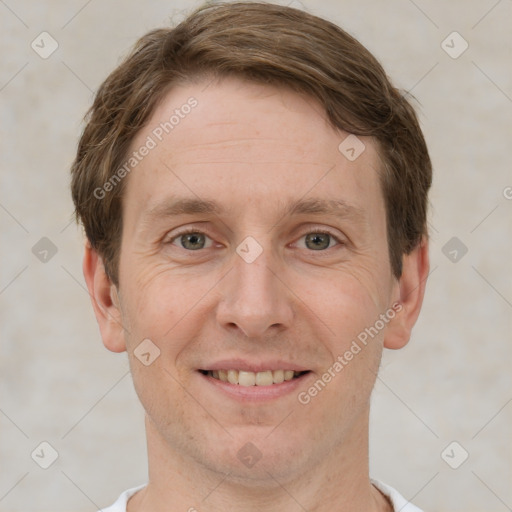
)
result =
(255, 298)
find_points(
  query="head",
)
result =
(261, 121)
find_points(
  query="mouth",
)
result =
(249, 379)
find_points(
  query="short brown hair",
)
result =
(269, 44)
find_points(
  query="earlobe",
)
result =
(411, 290)
(105, 300)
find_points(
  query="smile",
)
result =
(247, 379)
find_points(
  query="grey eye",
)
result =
(318, 241)
(193, 241)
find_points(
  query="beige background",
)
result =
(451, 383)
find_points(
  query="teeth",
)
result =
(278, 376)
(247, 378)
(244, 378)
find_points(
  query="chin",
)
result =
(257, 458)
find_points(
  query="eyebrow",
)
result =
(312, 206)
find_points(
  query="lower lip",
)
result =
(256, 393)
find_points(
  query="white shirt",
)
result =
(400, 504)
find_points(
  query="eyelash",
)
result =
(312, 231)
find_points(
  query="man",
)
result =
(253, 191)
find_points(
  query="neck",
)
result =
(339, 482)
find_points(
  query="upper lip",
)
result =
(253, 366)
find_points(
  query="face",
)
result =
(252, 243)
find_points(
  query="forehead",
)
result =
(243, 143)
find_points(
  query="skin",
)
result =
(252, 148)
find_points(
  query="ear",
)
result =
(410, 290)
(105, 300)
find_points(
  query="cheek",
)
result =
(162, 304)
(345, 301)
(349, 305)
(159, 390)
